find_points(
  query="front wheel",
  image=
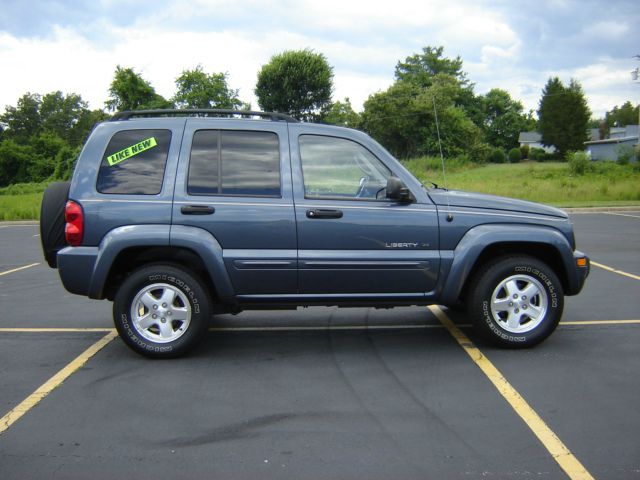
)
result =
(516, 302)
(161, 311)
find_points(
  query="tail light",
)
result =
(74, 229)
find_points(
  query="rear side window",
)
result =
(234, 163)
(134, 162)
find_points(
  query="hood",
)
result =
(457, 198)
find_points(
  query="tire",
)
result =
(169, 293)
(52, 221)
(516, 302)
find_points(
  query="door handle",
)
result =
(197, 210)
(324, 213)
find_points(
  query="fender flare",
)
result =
(477, 239)
(200, 241)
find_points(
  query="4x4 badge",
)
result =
(129, 152)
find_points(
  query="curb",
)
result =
(18, 223)
(600, 209)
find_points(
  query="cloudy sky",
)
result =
(74, 46)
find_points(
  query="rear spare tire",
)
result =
(52, 220)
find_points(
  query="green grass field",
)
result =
(605, 184)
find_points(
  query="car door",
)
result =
(351, 239)
(235, 182)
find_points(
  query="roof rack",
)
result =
(274, 116)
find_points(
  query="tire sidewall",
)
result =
(177, 278)
(481, 304)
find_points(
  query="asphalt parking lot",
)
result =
(323, 393)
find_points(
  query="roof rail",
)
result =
(274, 116)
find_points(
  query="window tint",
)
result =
(340, 168)
(234, 163)
(134, 162)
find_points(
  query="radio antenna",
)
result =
(444, 176)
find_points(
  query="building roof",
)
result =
(528, 137)
(612, 140)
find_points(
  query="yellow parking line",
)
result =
(56, 330)
(32, 400)
(601, 322)
(18, 269)
(630, 275)
(560, 453)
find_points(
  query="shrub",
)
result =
(625, 154)
(498, 156)
(514, 155)
(579, 162)
(537, 154)
(524, 150)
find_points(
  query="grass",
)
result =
(604, 184)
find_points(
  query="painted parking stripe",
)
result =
(303, 328)
(623, 214)
(54, 382)
(18, 269)
(560, 453)
(619, 272)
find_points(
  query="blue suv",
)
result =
(175, 215)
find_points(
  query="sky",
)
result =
(75, 46)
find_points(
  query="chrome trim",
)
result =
(540, 216)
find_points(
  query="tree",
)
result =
(622, 116)
(23, 121)
(403, 120)
(421, 68)
(342, 114)
(198, 89)
(563, 116)
(60, 114)
(296, 82)
(503, 119)
(129, 91)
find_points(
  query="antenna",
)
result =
(444, 176)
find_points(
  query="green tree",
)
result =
(503, 119)
(563, 116)
(23, 121)
(622, 116)
(61, 114)
(198, 89)
(421, 68)
(403, 120)
(296, 82)
(129, 91)
(342, 114)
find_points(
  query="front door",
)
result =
(351, 239)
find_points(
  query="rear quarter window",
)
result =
(134, 162)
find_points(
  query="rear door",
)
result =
(235, 182)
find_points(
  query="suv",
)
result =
(175, 215)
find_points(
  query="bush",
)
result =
(514, 155)
(579, 162)
(498, 156)
(524, 150)
(537, 154)
(625, 154)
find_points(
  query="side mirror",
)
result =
(398, 191)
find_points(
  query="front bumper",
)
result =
(582, 267)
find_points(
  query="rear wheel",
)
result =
(516, 302)
(161, 311)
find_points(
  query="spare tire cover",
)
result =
(52, 220)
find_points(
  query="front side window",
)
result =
(134, 162)
(227, 162)
(341, 169)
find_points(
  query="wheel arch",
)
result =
(487, 242)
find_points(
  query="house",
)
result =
(534, 140)
(620, 138)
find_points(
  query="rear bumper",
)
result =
(75, 267)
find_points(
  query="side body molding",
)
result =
(209, 250)
(478, 238)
